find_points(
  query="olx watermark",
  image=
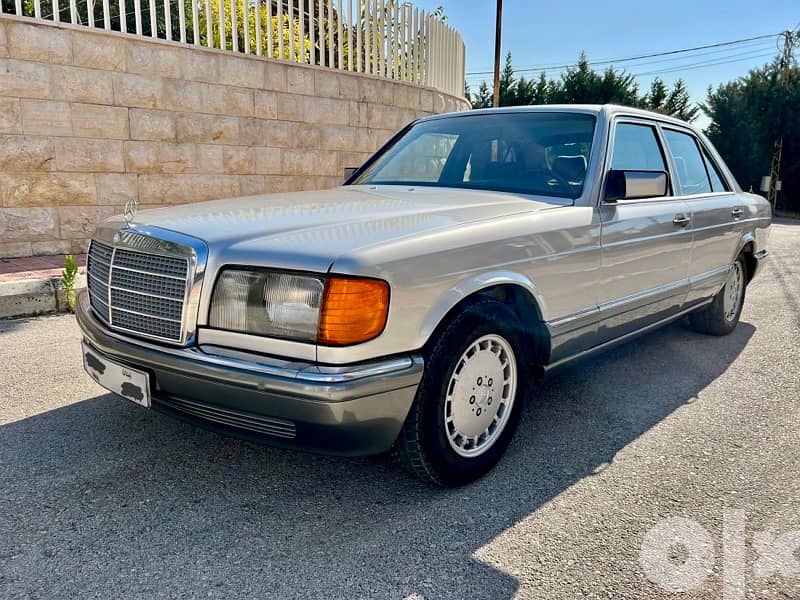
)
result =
(678, 554)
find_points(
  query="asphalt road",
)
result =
(102, 499)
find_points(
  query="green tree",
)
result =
(483, 97)
(508, 84)
(657, 96)
(581, 84)
(678, 103)
(747, 115)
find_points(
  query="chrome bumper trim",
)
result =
(380, 374)
(299, 371)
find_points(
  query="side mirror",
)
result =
(349, 172)
(632, 185)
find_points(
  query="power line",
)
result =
(749, 46)
(751, 43)
(753, 50)
(632, 58)
(708, 63)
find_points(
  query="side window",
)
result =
(717, 181)
(636, 148)
(689, 165)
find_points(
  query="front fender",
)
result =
(471, 286)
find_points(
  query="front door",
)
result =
(645, 243)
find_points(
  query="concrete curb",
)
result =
(29, 297)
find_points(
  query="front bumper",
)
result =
(349, 410)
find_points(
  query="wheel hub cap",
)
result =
(480, 395)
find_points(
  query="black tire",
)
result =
(422, 447)
(711, 319)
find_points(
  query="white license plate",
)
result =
(129, 383)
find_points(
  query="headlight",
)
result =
(329, 310)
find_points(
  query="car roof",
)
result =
(609, 110)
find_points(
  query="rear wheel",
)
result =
(470, 398)
(722, 315)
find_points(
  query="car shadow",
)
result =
(102, 496)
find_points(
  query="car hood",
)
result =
(310, 230)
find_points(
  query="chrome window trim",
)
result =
(606, 165)
(593, 163)
(659, 124)
(689, 132)
(160, 242)
(691, 197)
(722, 167)
(707, 148)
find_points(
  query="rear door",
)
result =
(715, 215)
(646, 243)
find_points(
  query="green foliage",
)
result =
(483, 99)
(678, 103)
(68, 279)
(583, 85)
(656, 98)
(281, 28)
(747, 115)
(508, 91)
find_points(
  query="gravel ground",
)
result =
(102, 499)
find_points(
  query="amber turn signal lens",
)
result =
(353, 311)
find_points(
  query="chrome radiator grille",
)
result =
(138, 292)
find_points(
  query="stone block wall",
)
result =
(90, 119)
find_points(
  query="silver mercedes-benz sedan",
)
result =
(410, 309)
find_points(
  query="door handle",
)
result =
(737, 212)
(681, 220)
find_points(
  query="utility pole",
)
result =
(498, 30)
(789, 38)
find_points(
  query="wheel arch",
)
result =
(747, 249)
(514, 290)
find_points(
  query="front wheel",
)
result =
(722, 315)
(470, 398)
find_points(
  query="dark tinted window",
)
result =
(691, 169)
(543, 153)
(717, 181)
(636, 148)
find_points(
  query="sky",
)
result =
(554, 33)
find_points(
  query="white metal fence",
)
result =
(386, 38)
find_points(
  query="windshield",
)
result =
(543, 153)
